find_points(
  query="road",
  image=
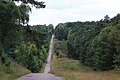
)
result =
(45, 75)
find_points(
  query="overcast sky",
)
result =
(60, 11)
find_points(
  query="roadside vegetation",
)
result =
(96, 44)
(12, 72)
(72, 69)
(21, 43)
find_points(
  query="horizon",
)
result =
(73, 11)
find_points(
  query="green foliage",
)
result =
(29, 56)
(11, 32)
(12, 72)
(33, 2)
(61, 32)
(60, 48)
(57, 48)
(27, 45)
(41, 35)
(95, 44)
(25, 54)
(43, 54)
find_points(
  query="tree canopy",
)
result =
(33, 2)
(26, 45)
(95, 44)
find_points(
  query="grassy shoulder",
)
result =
(72, 70)
(43, 68)
(12, 72)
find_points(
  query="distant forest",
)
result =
(95, 43)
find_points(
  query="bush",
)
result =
(60, 48)
(29, 56)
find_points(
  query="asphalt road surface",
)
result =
(45, 75)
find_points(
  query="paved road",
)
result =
(45, 75)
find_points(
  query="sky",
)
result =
(61, 11)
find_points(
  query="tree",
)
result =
(95, 44)
(61, 32)
(24, 44)
(33, 2)
(107, 18)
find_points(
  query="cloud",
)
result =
(73, 10)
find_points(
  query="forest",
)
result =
(91, 47)
(19, 42)
(96, 44)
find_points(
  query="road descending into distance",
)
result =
(45, 75)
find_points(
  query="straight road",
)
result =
(45, 75)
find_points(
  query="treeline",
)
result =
(95, 44)
(19, 42)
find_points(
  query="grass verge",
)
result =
(73, 70)
(12, 72)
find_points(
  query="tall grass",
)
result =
(72, 70)
(12, 72)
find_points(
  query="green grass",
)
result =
(71, 65)
(43, 68)
(12, 72)
(65, 67)
(73, 70)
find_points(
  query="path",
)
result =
(45, 75)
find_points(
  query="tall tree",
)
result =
(33, 2)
